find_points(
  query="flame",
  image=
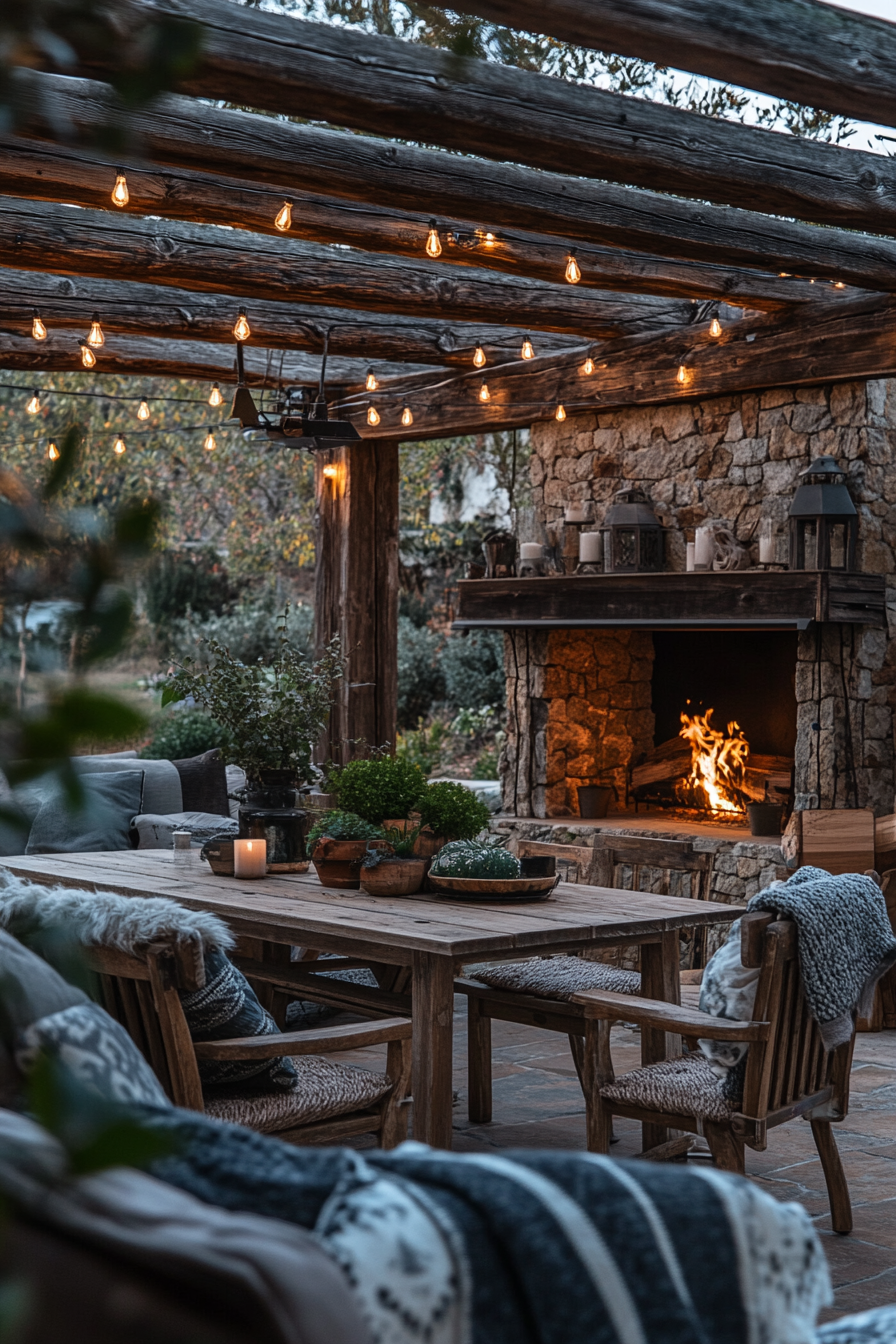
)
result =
(718, 761)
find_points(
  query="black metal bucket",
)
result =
(765, 818)
(594, 801)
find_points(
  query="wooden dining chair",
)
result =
(329, 1103)
(541, 993)
(789, 1074)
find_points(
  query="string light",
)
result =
(715, 328)
(143, 411)
(330, 471)
(489, 240)
(38, 330)
(52, 451)
(560, 413)
(119, 446)
(484, 394)
(241, 329)
(478, 357)
(573, 269)
(210, 444)
(839, 284)
(527, 351)
(33, 407)
(120, 193)
(95, 336)
(682, 375)
(372, 416)
(88, 358)
(284, 217)
(214, 397)
(371, 383)
(406, 416)
(433, 246)
(588, 366)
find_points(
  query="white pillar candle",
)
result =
(576, 512)
(590, 548)
(690, 548)
(767, 547)
(531, 550)
(703, 548)
(250, 858)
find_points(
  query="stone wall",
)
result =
(735, 460)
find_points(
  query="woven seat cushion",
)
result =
(558, 977)
(322, 1091)
(685, 1085)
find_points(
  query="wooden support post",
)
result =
(356, 592)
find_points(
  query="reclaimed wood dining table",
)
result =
(430, 936)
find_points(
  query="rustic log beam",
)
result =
(838, 344)
(161, 312)
(40, 171)
(35, 237)
(811, 53)
(384, 85)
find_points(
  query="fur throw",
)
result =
(103, 919)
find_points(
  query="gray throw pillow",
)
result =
(96, 1050)
(29, 989)
(104, 823)
(162, 792)
(203, 780)
(227, 1007)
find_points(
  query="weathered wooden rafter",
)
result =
(158, 311)
(811, 53)
(849, 342)
(33, 236)
(384, 85)
(40, 171)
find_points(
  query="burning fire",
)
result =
(718, 761)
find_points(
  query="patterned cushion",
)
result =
(99, 1052)
(321, 1090)
(558, 977)
(685, 1085)
(227, 1007)
(870, 1327)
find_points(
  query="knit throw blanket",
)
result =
(845, 943)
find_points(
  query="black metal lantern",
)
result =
(633, 539)
(824, 524)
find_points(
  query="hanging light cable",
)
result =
(241, 329)
(33, 407)
(407, 417)
(120, 193)
(527, 351)
(95, 336)
(573, 269)
(433, 245)
(214, 397)
(143, 411)
(284, 217)
(478, 357)
(371, 383)
(88, 358)
(38, 330)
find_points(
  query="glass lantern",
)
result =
(633, 538)
(824, 524)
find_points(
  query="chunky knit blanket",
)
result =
(845, 943)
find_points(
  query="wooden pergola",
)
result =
(672, 218)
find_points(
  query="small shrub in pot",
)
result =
(452, 812)
(376, 789)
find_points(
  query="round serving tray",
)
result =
(503, 890)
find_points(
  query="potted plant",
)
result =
(337, 845)
(449, 811)
(274, 713)
(393, 870)
(384, 788)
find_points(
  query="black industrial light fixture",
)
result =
(312, 429)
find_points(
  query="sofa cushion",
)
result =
(96, 1050)
(227, 1007)
(155, 832)
(161, 782)
(29, 989)
(203, 781)
(112, 801)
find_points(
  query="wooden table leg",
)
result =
(433, 1015)
(660, 979)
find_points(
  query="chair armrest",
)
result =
(601, 1003)
(314, 1042)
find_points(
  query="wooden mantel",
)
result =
(747, 599)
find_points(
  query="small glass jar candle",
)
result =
(591, 548)
(250, 858)
(690, 548)
(531, 550)
(767, 542)
(577, 512)
(182, 844)
(704, 548)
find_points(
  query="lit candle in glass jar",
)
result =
(250, 858)
(767, 546)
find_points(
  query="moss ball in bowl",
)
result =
(470, 859)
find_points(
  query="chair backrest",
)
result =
(613, 853)
(142, 992)
(790, 1072)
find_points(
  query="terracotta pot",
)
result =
(394, 877)
(427, 845)
(338, 862)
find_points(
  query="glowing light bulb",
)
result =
(433, 246)
(119, 446)
(88, 358)
(406, 416)
(371, 383)
(715, 327)
(33, 407)
(489, 240)
(38, 330)
(120, 193)
(330, 471)
(588, 366)
(372, 416)
(560, 413)
(143, 411)
(682, 375)
(210, 444)
(95, 336)
(484, 394)
(284, 217)
(478, 357)
(52, 451)
(839, 284)
(214, 397)
(241, 329)
(573, 269)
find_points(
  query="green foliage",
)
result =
(179, 582)
(342, 825)
(452, 810)
(420, 680)
(273, 712)
(473, 668)
(401, 840)
(249, 630)
(425, 747)
(385, 788)
(471, 859)
(181, 733)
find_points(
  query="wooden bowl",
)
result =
(394, 877)
(507, 890)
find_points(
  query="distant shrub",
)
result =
(182, 581)
(182, 733)
(420, 680)
(473, 668)
(250, 630)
